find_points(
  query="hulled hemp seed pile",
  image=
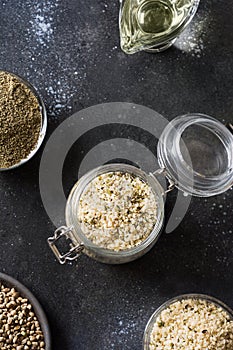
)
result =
(19, 327)
(117, 211)
(192, 324)
(20, 120)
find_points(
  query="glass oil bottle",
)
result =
(153, 24)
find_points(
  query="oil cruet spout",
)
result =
(153, 25)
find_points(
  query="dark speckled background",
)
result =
(70, 51)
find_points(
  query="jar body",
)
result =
(106, 255)
(153, 25)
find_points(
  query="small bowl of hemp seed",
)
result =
(23, 121)
(191, 321)
(23, 324)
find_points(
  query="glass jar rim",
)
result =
(79, 187)
(186, 178)
(165, 305)
(44, 121)
(201, 118)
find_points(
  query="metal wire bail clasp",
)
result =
(171, 183)
(75, 249)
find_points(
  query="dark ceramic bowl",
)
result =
(10, 282)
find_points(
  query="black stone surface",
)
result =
(70, 51)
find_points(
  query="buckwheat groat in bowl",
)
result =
(23, 323)
(190, 322)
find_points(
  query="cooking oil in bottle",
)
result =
(146, 24)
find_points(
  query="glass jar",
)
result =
(153, 25)
(156, 314)
(43, 127)
(201, 174)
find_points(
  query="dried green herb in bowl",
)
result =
(23, 121)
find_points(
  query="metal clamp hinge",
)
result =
(75, 250)
(171, 183)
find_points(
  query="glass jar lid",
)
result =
(197, 153)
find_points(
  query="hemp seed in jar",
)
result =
(117, 211)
